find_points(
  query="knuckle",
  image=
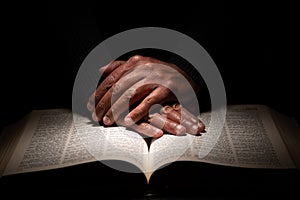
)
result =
(130, 92)
(109, 81)
(127, 95)
(116, 89)
(125, 99)
(100, 106)
(96, 97)
(166, 110)
(135, 58)
(145, 127)
(165, 92)
(117, 62)
(150, 100)
(155, 115)
(138, 113)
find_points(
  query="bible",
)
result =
(253, 136)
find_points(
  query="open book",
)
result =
(254, 136)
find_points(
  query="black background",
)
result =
(252, 44)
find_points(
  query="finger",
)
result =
(192, 123)
(166, 124)
(136, 93)
(179, 117)
(117, 69)
(100, 92)
(185, 113)
(91, 103)
(117, 89)
(188, 115)
(127, 81)
(112, 78)
(157, 96)
(105, 70)
(144, 128)
(102, 107)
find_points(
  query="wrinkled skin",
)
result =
(135, 81)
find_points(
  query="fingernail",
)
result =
(201, 126)
(95, 118)
(165, 110)
(176, 106)
(180, 130)
(195, 129)
(128, 121)
(106, 120)
(158, 134)
(89, 106)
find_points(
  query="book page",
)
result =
(9, 138)
(113, 143)
(167, 149)
(50, 140)
(249, 139)
(290, 133)
(45, 143)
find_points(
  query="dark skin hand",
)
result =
(135, 82)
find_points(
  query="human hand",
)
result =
(135, 82)
(171, 119)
